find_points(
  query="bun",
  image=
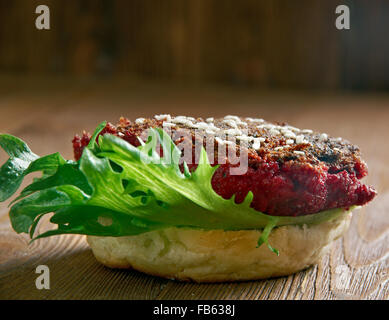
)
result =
(216, 255)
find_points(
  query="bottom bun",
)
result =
(216, 255)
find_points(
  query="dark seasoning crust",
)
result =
(290, 171)
(315, 148)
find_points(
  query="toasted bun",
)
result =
(216, 255)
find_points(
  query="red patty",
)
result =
(279, 189)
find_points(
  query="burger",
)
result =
(206, 200)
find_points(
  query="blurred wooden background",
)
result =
(269, 44)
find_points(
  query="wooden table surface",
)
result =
(47, 114)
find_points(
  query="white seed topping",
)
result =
(228, 142)
(289, 134)
(231, 123)
(166, 117)
(274, 132)
(201, 125)
(256, 144)
(256, 120)
(245, 138)
(230, 117)
(189, 123)
(291, 128)
(233, 132)
(168, 124)
(290, 141)
(242, 123)
(223, 142)
(213, 127)
(270, 126)
(140, 120)
(236, 128)
(299, 139)
(180, 120)
(323, 137)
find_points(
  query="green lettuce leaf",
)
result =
(116, 189)
(12, 172)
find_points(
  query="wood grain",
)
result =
(47, 114)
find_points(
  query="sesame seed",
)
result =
(242, 123)
(255, 120)
(274, 132)
(299, 152)
(256, 146)
(230, 122)
(289, 134)
(291, 128)
(229, 117)
(289, 141)
(189, 123)
(210, 120)
(233, 132)
(231, 143)
(180, 120)
(213, 127)
(166, 117)
(278, 148)
(299, 139)
(140, 120)
(245, 138)
(168, 124)
(307, 131)
(201, 125)
(323, 137)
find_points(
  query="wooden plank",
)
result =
(48, 118)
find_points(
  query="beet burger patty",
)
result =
(291, 172)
